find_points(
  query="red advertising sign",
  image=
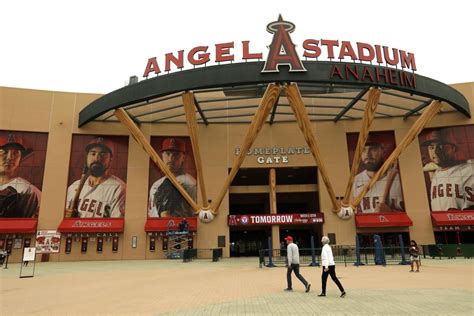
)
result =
(276, 219)
(453, 218)
(91, 225)
(392, 219)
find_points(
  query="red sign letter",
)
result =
(151, 66)
(282, 50)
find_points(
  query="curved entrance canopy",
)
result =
(241, 93)
(230, 94)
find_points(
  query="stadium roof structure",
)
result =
(239, 93)
(230, 93)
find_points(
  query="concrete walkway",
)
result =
(233, 287)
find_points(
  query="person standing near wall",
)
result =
(414, 256)
(329, 267)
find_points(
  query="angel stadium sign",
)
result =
(282, 52)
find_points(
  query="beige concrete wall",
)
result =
(56, 113)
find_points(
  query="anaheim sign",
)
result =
(282, 51)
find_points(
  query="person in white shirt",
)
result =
(294, 264)
(329, 267)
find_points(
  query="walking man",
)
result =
(329, 267)
(294, 264)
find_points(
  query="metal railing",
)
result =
(342, 254)
(348, 255)
(448, 250)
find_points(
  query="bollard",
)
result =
(313, 253)
(270, 253)
(358, 262)
(379, 253)
(402, 250)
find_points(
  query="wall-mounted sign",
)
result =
(47, 241)
(276, 219)
(282, 51)
(274, 155)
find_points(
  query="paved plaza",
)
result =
(234, 286)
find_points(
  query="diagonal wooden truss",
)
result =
(267, 102)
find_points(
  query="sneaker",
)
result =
(343, 294)
(322, 294)
(288, 289)
(308, 287)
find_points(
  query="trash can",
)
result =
(216, 254)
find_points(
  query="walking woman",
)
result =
(329, 267)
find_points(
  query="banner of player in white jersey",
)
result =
(386, 195)
(97, 174)
(22, 159)
(448, 163)
(164, 199)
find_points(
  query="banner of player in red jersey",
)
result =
(22, 160)
(164, 199)
(448, 163)
(386, 195)
(97, 175)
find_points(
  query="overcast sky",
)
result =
(94, 46)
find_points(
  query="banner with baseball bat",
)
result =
(97, 175)
(164, 199)
(386, 195)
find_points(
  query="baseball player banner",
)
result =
(22, 160)
(97, 175)
(386, 195)
(164, 199)
(448, 164)
(48, 241)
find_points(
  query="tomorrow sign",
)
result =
(275, 219)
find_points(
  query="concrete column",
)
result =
(273, 209)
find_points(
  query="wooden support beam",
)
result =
(189, 109)
(296, 102)
(141, 139)
(273, 199)
(268, 100)
(416, 128)
(369, 114)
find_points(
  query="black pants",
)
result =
(332, 273)
(296, 269)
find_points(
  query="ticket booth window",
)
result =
(100, 244)
(26, 242)
(115, 244)
(9, 246)
(68, 244)
(152, 243)
(165, 244)
(84, 242)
